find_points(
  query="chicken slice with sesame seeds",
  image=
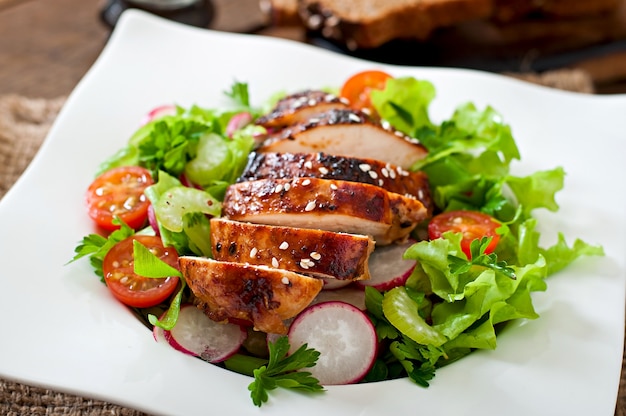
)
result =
(325, 166)
(318, 253)
(347, 132)
(325, 204)
(300, 107)
(238, 292)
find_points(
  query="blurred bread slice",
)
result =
(281, 12)
(511, 10)
(545, 25)
(371, 23)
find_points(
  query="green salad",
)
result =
(459, 294)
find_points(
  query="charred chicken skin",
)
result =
(300, 107)
(325, 166)
(326, 204)
(347, 132)
(312, 252)
(240, 292)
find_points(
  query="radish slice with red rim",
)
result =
(334, 284)
(353, 295)
(158, 112)
(237, 122)
(343, 335)
(387, 267)
(159, 334)
(198, 335)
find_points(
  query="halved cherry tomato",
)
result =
(130, 288)
(358, 87)
(473, 225)
(119, 192)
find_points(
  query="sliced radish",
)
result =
(237, 122)
(152, 220)
(344, 336)
(353, 295)
(334, 284)
(158, 112)
(198, 335)
(159, 334)
(387, 267)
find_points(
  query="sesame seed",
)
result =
(364, 167)
(366, 111)
(308, 164)
(312, 102)
(333, 187)
(344, 101)
(313, 120)
(333, 20)
(278, 188)
(315, 21)
(306, 182)
(284, 245)
(315, 255)
(306, 263)
(310, 206)
(420, 194)
(329, 98)
(398, 133)
(373, 174)
(354, 118)
(287, 187)
(381, 182)
(285, 280)
(323, 170)
(385, 172)
(254, 251)
(385, 125)
(274, 262)
(392, 174)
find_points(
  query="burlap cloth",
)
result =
(24, 123)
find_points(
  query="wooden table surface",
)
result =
(46, 46)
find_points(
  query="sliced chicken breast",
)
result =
(347, 132)
(326, 204)
(325, 166)
(300, 107)
(261, 295)
(318, 253)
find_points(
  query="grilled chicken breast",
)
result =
(346, 132)
(325, 166)
(299, 107)
(317, 253)
(261, 295)
(326, 204)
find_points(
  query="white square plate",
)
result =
(62, 329)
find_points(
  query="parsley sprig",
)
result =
(96, 246)
(281, 371)
(480, 258)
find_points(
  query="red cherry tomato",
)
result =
(119, 192)
(473, 225)
(130, 288)
(358, 87)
